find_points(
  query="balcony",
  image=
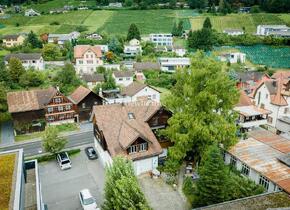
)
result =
(253, 123)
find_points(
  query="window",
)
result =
(269, 119)
(83, 105)
(264, 182)
(154, 96)
(57, 100)
(233, 161)
(143, 147)
(50, 109)
(60, 108)
(133, 149)
(245, 169)
(131, 115)
(128, 78)
(67, 107)
(120, 79)
(266, 96)
(81, 62)
(286, 110)
(262, 106)
(90, 62)
(50, 118)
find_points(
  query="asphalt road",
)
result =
(34, 148)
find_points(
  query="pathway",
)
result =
(7, 133)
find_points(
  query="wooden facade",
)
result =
(60, 109)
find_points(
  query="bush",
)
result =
(159, 79)
(54, 23)
(188, 188)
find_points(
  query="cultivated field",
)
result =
(238, 21)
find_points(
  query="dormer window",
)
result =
(138, 148)
(131, 115)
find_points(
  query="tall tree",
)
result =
(3, 102)
(122, 190)
(15, 69)
(31, 78)
(51, 141)
(207, 23)
(133, 32)
(201, 39)
(51, 52)
(201, 102)
(180, 28)
(174, 29)
(212, 186)
(33, 40)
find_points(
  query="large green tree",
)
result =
(31, 78)
(3, 103)
(133, 32)
(15, 69)
(51, 52)
(201, 102)
(52, 142)
(33, 41)
(122, 190)
(207, 23)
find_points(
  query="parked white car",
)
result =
(63, 160)
(87, 200)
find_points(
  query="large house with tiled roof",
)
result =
(32, 109)
(87, 58)
(13, 40)
(274, 95)
(84, 99)
(128, 130)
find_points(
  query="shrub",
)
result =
(54, 23)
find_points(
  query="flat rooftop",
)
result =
(8, 163)
(251, 110)
(261, 152)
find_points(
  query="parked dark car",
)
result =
(91, 153)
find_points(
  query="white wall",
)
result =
(88, 63)
(149, 92)
(123, 81)
(104, 156)
(145, 165)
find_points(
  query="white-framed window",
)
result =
(233, 161)
(245, 169)
(61, 117)
(120, 79)
(50, 118)
(60, 108)
(50, 109)
(133, 149)
(57, 100)
(81, 62)
(143, 147)
(154, 96)
(67, 107)
(286, 110)
(83, 105)
(264, 182)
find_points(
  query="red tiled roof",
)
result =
(80, 50)
(79, 94)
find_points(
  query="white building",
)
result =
(171, 64)
(62, 38)
(265, 30)
(123, 78)
(134, 48)
(31, 12)
(263, 158)
(179, 51)
(233, 32)
(29, 60)
(94, 36)
(87, 58)
(112, 66)
(274, 95)
(235, 57)
(161, 39)
(93, 79)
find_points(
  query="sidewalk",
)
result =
(7, 134)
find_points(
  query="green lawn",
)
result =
(61, 128)
(238, 21)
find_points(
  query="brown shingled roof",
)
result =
(244, 99)
(93, 77)
(80, 50)
(22, 101)
(120, 131)
(79, 94)
(134, 88)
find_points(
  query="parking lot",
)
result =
(60, 188)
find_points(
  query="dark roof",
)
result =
(257, 202)
(123, 73)
(250, 75)
(22, 101)
(141, 66)
(12, 36)
(23, 56)
(134, 88)
(93, 77)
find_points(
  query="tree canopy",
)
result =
(51, 141)
(133, 32)
(33, 41)
(201, 102)
(122, 190)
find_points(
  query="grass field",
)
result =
(238, 21)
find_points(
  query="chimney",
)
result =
(274, 83)
(100, 92)
(57, 87)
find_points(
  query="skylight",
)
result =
(131, 115)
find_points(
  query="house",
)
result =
(249, 80)
(265, 30)
(84, 99)
(245, 9)
(128, 130)
(123, 78)
(94, 36)
(143, 66)
(263, 158)
(274, 200)
(32, 109)
(87, 58)
(13, 40)
(161, 39)
(283, 34)
(233, 32)
(134, 48)
(104, 48)
(31, 12)
(274, 95)
(250, 116)
(93, 79)
(20, 182)
(112, 66)
(235, 57)
(115, 4)
(29, 60)
(171, 64)
(2, 12)
(128, 64)
(140, 77)
(136, 91)
(62, 38)
(179, 51)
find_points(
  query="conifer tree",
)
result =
(133, 32)
(207, 23)
(15, 69)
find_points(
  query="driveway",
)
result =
(161, 196)
(7, 133)
(60, 188)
